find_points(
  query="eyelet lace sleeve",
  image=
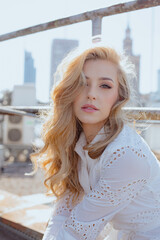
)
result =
(61, 211)
(123, 176)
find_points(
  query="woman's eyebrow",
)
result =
(102, 78)
(105, 78)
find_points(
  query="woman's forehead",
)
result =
(100, 67)
(103, 63)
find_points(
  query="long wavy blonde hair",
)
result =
(62, 129)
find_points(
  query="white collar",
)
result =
(82, 141)
(86, 162)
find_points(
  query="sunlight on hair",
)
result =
(61, 129)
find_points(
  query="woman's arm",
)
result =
(122, 178)
(62, 210)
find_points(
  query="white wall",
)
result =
(24, 95)
(152, 136)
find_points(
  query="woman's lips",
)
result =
(88, 109)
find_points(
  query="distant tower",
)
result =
(127, 43)
(127, 47)
(29, 69)
(60, 48)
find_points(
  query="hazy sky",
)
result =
(18, 14)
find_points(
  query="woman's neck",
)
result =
(91, 131)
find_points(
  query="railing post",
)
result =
(96, 29)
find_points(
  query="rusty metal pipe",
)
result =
(136, 113)
(102, 12)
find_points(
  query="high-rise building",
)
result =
(29, 69)
(60, 48)
(135, 59)
(158, 90)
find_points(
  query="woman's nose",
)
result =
(91, 93)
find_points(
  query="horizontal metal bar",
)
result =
(19, 231)
(136, 113)
(102, 12)
(143, 113)
(12, 111)
(148, 122)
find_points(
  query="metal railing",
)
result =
(96, 17)
(137, 113)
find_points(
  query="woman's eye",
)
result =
(105, 86)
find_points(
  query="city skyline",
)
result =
(29, 69)
(113, 33)
(60, 47)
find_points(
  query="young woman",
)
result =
(104, 175)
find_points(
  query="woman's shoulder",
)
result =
(127, 137)
(130, 141)
(127, 151)
(129, 147)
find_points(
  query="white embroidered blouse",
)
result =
(121, 199)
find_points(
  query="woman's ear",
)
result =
(120, 98)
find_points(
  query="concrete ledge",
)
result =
(23, 216)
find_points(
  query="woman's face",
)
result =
(101, 90)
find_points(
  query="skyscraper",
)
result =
(158, 90)
(135, 59)
(60, 48)
(29, 69)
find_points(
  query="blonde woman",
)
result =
(104, 175)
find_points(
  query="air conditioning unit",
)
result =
(18, 130)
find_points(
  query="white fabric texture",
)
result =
(121, 199)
